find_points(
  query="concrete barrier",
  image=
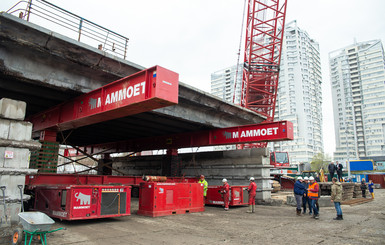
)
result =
(12, 109)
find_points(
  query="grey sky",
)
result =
(198, 37)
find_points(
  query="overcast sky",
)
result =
(198, 37)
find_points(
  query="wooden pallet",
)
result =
(45, 159)
(356, 201)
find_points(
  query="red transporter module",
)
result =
(238, 196)
(74, 202)
(167, 198)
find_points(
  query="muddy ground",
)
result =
(362, 224)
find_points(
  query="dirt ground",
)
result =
(362, 224)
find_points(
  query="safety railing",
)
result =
(50, 16)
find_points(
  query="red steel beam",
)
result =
(146, 90)
(272, 131)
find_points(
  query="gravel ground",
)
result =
(362, 224)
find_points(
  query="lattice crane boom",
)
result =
(262, 55)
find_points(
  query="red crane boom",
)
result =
(262, 57)
(264, 34)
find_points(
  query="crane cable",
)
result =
(239, 51)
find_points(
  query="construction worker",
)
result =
(305, 199)
(339, 171)
(336, 197)
(205, 186)
(322, 175)
(252, 189)
(313, 196)
(299, 191)
(225, 191)
(332, 169)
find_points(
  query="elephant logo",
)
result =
(92, 103)
(84, 199)
(227, 135)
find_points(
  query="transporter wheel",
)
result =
(17, 236)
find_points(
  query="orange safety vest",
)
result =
(311, 193)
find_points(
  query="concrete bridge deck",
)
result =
(44, 69)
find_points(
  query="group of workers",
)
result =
(307, 191)
(225, 192)
(335, 167)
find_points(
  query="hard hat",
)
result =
(306, 178)
(299, 178)
(251, 178)
(202, 176)
(311, 178)
(224, 180)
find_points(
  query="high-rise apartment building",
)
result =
(222, 84)
(299, 97)
(357, 76)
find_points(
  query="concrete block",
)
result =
(11, 182)
(324, 201)
(20, 131)
(263, 195)
(4, 128)
(13, 209)
(12, 109)
(290, 200)
(2, 158)
(20, 158)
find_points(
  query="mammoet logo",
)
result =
(119, 95)
(251, 133)
(84, 199)
(59, 213)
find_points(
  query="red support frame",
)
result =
(273, 131)
(146, 90)
(264, 34)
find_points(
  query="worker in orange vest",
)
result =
(225, 191)
(252, 189)
(313, 196)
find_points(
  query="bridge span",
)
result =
(46, 69)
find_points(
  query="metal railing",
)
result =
(50, 16)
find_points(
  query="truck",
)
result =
(279, 159)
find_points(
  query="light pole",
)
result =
(347, 152)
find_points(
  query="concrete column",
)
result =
(15, 146)
(236, 166)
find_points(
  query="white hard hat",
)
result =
(224, 180)
(311, 178)
(299, 178)
(251, 178)
(306, 178)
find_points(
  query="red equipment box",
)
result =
(161, 199)
(238, 196)
(75, 202)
